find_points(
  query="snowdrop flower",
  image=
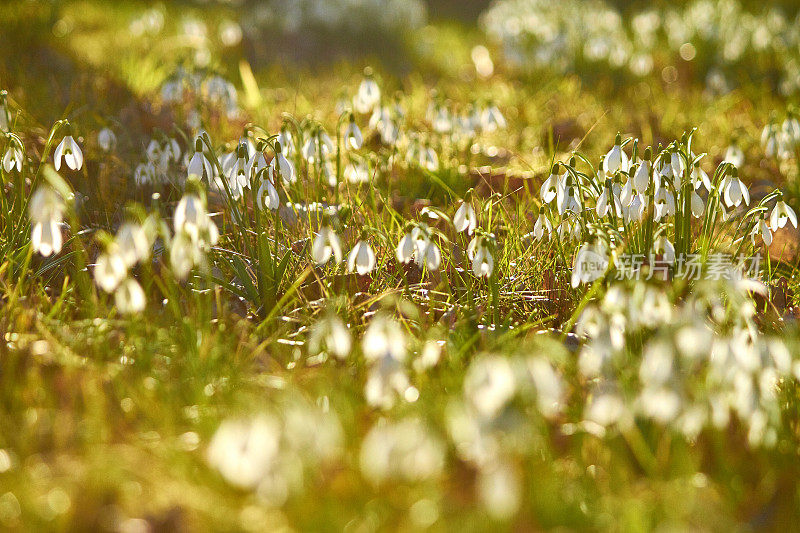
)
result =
(109, 270)
(428, 253)
(199, 165)
(330, 334)
(256, 163)
(590, 263)
(567, 202)
(132, 243)
(663, 246)
(355, 172)
(244, 451)
(479, 252)
(780, 214)
(318, 147)
(237, 175)
(734, 156)
(14, 157)
(329, 176)
(700, 177)
(761, 229)
(368, 95)
(417, 244)
(499, 489)
(46, 237)
(404, 450)
(465, 218)
(604, 203)
(697, 205)
(616, 159)
(326, 245)
(384, 338)
(286, 141)
(361, 258)
(69, 150)
(678, 167)
(664, 204)
(770, 139)
(791, 127)
(144, 174)
(492, 119)
(353, 137)
(735, 191)
(106, 140)
(129, 297)
(605, 409)
(442, 121)
(543, 227)
(489, 384)
(634, 211)
(551, 186)
(267, 195)
(428, 159)
(550, 388)
(641, 178)
(281, 165)
(569, 229)
(405, 248)
(46, 208)
(191, 217)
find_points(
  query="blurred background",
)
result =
(138, 44)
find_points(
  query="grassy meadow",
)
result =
(322, 266)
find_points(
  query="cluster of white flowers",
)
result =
(647, 202)
(132, 244)
(212, 89)
(405, 450)
(724, 40)
(489, 426)
(195, 234)
(271, 455)
(782, 139)
(162, 155)
(702, 362)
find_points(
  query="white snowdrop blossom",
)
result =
(46, 209)
(616, 159)
(465, 218)
(281, 165)
(480, 254)
(331, 335)
(326, 245)
(542, 228)
(267, 195)
(199, 165)
(780, 214)
(70, 152)
(109, 270)
(734, 191)
(244, 451)
(361, 258)
(405, 450)
(14, 156)
(353, 137)
(368, 95)
(107, 140)
(129, 297)
(489, 384)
